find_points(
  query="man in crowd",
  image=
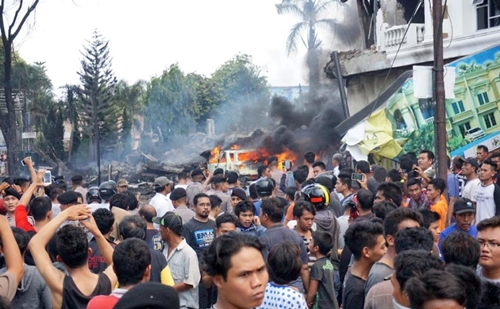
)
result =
(418, 199)
(179, 200)
(470, 168)
(196, 186)
(182, 259)
(487, 194)
(318, 168)
(488, 236)
(163, 186)
(482, 153)
(77, 184)
(426, 163)
(336, 160)
(148, 212)
(464, 214)
(220, 186)
(122, 185)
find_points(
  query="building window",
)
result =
(426, 107)
(483, 98)
(458, 107)
(463, 128)
(489, 120)
(488, 13)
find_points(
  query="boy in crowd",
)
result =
(245, 212)
(321, 293)
(304, 213)
(464, 214)
(435, 190)
(225, 223)
(366, 241)
(104, 220)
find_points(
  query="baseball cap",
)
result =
(218, 179)
(162, 181)
(218, 171)
(463, 205)
(171, 220)
(177, 194)
(196, 172)
(470, 160)
(122, 183)
(151, 295)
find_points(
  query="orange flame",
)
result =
(254, 156)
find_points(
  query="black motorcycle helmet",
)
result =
(264, 187)
(93, 195)
(107, 189)
(316, 194)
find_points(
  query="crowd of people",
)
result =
(355, 236)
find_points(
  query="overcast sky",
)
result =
(149, 35)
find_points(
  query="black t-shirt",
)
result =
(158, 263)
(199, 235)
(97, 264)
(322, 271)
(353, 296)
(149, 238)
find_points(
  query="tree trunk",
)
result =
(10, 127)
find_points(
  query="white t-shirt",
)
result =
(277, 297)
(162, 204)
(470, 188)
(487, 198)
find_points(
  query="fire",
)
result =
(255, 156)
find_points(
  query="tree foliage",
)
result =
(98, 117)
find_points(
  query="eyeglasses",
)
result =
(490, 244)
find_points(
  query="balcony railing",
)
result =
(392, 37)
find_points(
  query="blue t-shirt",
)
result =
(472, 231)
(257, 207)
(453, 185)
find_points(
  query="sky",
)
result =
(147, 36)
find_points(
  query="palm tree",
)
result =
(310, 12)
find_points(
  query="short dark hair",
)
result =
(345, 178)
(22, 239)
(414, 263)
(273, 208)
(429, 217)
(324, 241)
(215, 201)
(182, 175)
(252, 190)
(418, 238)
(440, 284)
(490, 163)
(362, 234)
(363, 166)
(72, 246)
(133, 227)
(379, 174)
(495, 155)
(147, 215)
(21, 181)
(216, 259)
(413, 181)
(381, 209)
(300, 206)
(104, 220)
(299, 175)
(40, 207)
(460, 248)
(244, 206)
(438, 184)
(133, 203)
(131, 258)
(319, 164)
(395, 217)
(55, 191)
(391, 191)
(226, 218)
(394, 175)
(261, 169)
(365, 199)
(290, 192)
(483, 148)
(284, 263)
(198, 196)
(491, 223)
(120, 200)
(309, 157)
(430, 154)
(325, 182)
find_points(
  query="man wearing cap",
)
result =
(181, 258)
(122, 185)
(464, 214)
(220, 186)
(160, 201)
(179, 199)
(77, 182)
(10, 201)
(196, 186)
(469, 169)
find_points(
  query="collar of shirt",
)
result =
(118, 293)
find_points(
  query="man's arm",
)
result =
(106, 249)
(20, 213)
(52, 276)
(13, 259)
(31, 169)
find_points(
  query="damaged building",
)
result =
(469, 26)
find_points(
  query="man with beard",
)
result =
(199, 232)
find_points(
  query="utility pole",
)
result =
(439, 94)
